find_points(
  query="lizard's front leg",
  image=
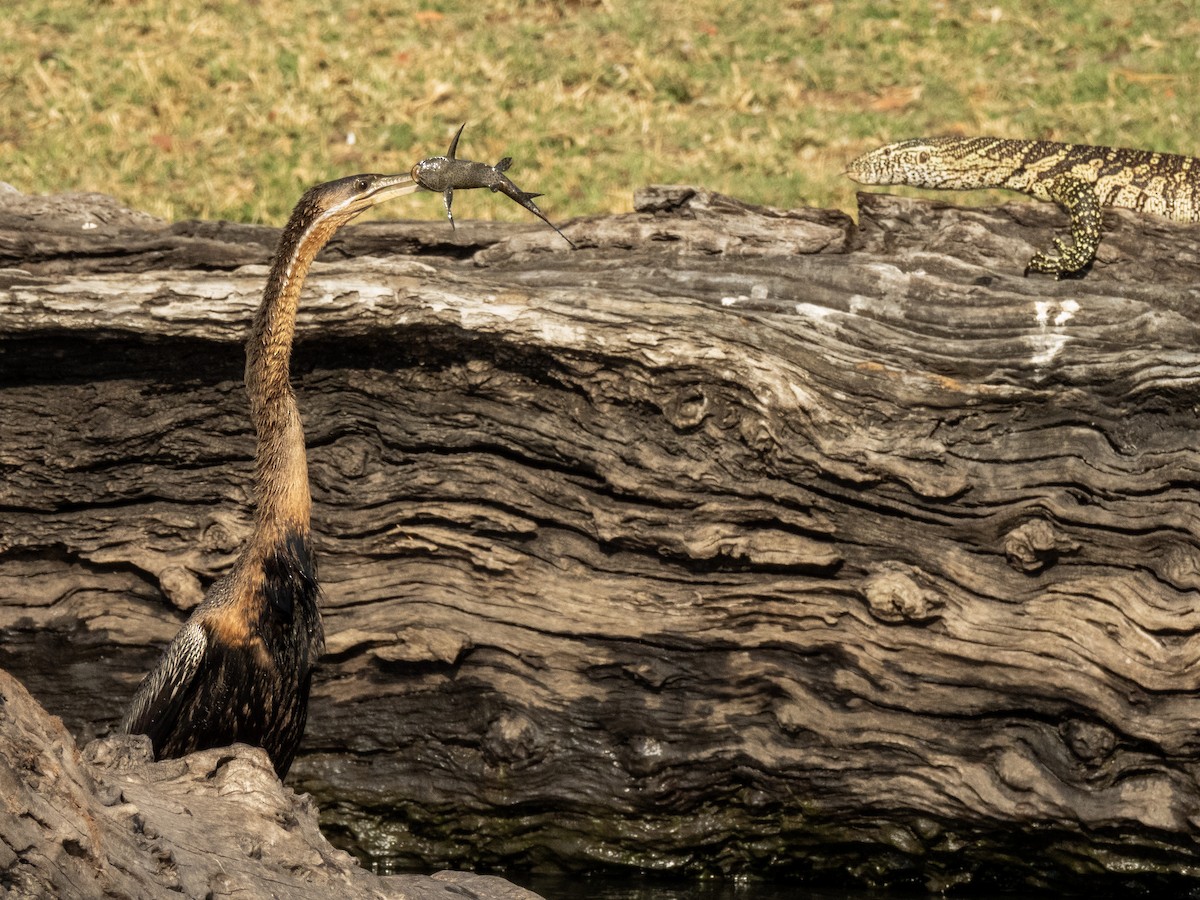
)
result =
(1078, 198)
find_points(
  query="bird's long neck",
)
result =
(283, 502)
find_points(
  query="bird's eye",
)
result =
(362, 184)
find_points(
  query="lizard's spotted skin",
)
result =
(1079, 178)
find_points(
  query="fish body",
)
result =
(446, 174)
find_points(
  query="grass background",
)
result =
(229, 109)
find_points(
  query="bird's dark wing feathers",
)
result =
(165, 689)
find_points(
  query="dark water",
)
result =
(600, 888)
(567, 887)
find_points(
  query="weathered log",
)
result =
(741, 540)
(111, 822)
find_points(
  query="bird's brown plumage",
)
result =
(241, 666)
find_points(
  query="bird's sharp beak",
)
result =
(392, 186)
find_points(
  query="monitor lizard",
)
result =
(1081, 179)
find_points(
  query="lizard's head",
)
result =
(927, 163)
(905, 162)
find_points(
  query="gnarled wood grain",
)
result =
(739, 540)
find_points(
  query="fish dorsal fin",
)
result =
(503, 165)
(454, 143)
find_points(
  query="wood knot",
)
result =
(757, 435)
(1180, 567)
(687, 409)
(513, 737)
(181, 587)
(644, 756)
(896, 592)
(219, 537)
(1091, 742)
(350, 457)
(119, 752)
(1035, 546)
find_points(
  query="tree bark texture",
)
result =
(740, 540)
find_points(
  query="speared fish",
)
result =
(445, 174)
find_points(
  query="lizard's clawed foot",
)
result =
(1064, 262)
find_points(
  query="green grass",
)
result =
(229, 109)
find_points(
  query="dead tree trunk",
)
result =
(740, 540)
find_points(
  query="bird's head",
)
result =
(337, 202)
(327, 207)
(324, 209)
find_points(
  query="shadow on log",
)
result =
(739, 541)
